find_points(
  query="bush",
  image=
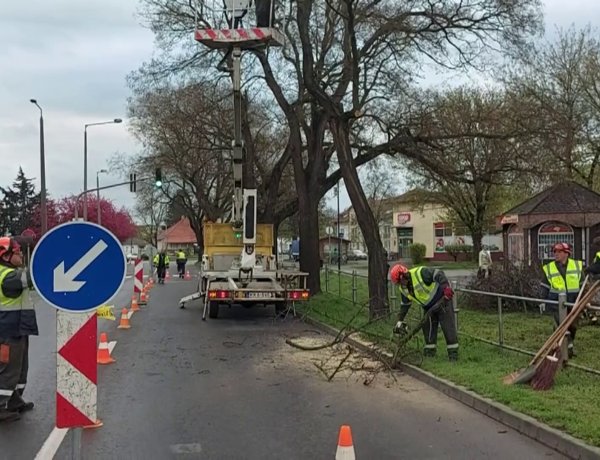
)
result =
(522, 281)
(457, 249)
(417, 253)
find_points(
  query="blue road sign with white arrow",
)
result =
(78, 266)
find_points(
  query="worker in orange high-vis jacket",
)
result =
(17, 323)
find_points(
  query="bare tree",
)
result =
(475, 157)
(379, 42)
(561, 81)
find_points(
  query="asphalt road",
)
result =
(233, 389)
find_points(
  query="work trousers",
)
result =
(441, 316)
(13, 372)
(263, 13)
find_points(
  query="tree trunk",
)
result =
(378, 268)
(310, 261)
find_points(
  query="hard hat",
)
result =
(10, 245)
(566, 247)
(397, 272)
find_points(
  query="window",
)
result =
(515, 245)
(442, 229)
(550, 234)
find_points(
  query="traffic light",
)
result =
(158, 177)
(132, 183)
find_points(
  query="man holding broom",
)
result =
(563, 274)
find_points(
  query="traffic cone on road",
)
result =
(103, 351)
(167, 275)
(143, 298)
(134, 303)
(187, 275)
(124, 323)
(345, 449)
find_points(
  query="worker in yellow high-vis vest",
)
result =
(563, 275)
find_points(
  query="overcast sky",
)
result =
(73, 56)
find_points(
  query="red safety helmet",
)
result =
(9, 245)
(565, 247)
(397, 272)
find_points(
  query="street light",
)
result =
(116, 120)
(43, 207)
(99, 212)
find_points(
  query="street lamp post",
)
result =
(98, 209)
(116, 120)
(43, 206)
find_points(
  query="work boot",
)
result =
(17, 404)
(7, 416)
(571, 352)
(429, 352)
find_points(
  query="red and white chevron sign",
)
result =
(255, 33)
(138, 281)
(76, 370)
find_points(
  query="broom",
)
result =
(543, 379)
(525, 375)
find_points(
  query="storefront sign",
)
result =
(401, 218)
(509, 219)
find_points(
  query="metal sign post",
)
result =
(76, 267)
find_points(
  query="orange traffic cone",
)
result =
(134, 303)
(167, 275)
(187, 275)
(103, 351)
(124, 323)
(143, 297)
(345, 449)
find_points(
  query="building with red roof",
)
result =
(180, 235)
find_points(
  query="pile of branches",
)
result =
(518, 280)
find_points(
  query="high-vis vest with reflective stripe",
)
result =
(7, 303)
(597, 258)
(572, 276)
(17, 316)
(423, 294)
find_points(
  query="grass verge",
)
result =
(571, 406)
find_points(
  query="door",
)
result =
(405, 239)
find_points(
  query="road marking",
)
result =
(192, 448)
(52, 444)
(111, 346)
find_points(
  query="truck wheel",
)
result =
(213, 309)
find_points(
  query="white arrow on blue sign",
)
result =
(78, 266)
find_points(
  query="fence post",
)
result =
(500, 323)
(455, 305)
(354, 287)
(326, 278)
(562, 314)
(391, 288)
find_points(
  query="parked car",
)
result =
(357, 254)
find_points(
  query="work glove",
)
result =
(448, 293)
(542, 307)
(401, 328)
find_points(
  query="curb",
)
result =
(524, 424)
